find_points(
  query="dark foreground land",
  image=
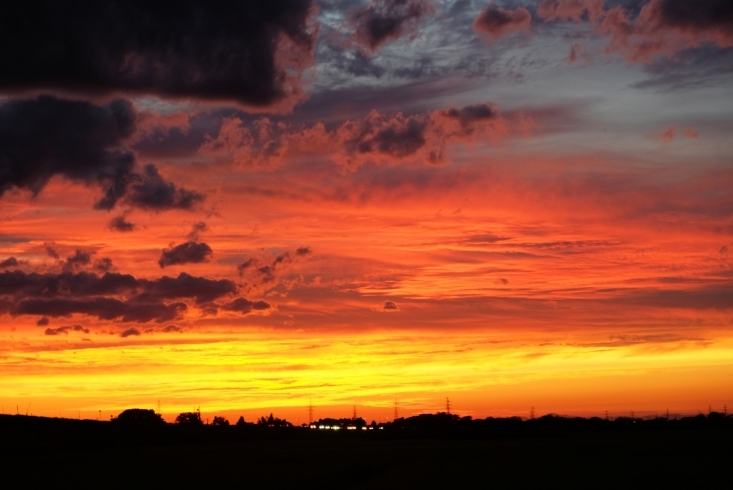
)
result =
(49, 453)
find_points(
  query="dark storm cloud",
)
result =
(102, 308)
(185, 253)
(423, 136)
(79, 260)
(130, 332)
(203, 290)
(196, 229)
(118, 223)
(46, 137)
(700, 15)
(154, 193)
(211, 50)
(497, 22)
(66, 329)
(397, 140)
(9, 262)
(103, 265)
(473, 113)
(42, 322)
(381, 20)
(265, 271)
(244, 306)
(51, 250)
(390, 306)
(20, 285)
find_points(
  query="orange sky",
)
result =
(524, 230)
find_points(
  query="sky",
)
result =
(369, 205)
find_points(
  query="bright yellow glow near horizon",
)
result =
(258, 373)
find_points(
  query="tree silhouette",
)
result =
(241, 422)
(139, 416)
(273, 422)
(189, 418)
(220, 421)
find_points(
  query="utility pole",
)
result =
(354, 415)
(531, 413)
(447, 405)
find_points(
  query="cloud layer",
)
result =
(251, 52)
(85, 143)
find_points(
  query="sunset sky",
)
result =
(252, 207)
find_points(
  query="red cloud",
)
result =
(661, 28)
(496, 22)
(378, 138)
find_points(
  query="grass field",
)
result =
(679, 459)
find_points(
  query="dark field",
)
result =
(299, 459)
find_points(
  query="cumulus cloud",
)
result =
(111, 296)
(259, 144)
(389, 306)
(196, 229)
(66, 329)
(496, 22)
(9, 262)
(132, 331)
(172, 328)
(119, 223)
(102, 308)
(78, 261)
(152, 192)
(391, 138)
(658, 28)
(253, 52)
(422, 136)
(51, 250)
(245, 306)
(46, 137)
(42, 322)
(264, 272)
(103, 265)
(381, 20)
(185, 253)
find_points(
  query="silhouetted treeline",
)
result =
(145, 427)
(455, 425)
